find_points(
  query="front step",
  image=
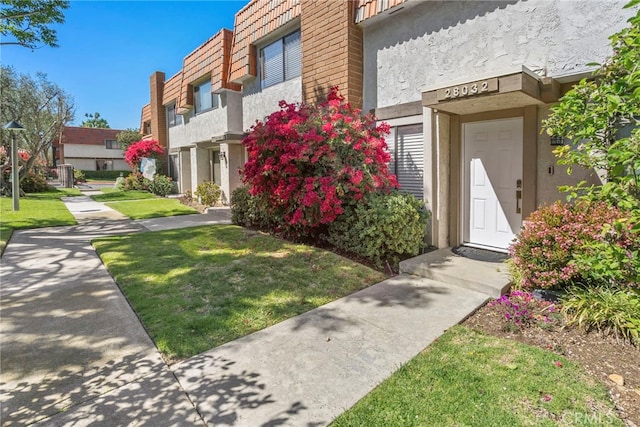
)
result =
(445, 266)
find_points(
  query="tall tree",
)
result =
(128, 137)
(37, 104)
(95, 121)
(27, 22)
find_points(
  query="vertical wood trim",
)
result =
(529, 160)
(455, 187)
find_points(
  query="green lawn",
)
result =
(36, 210)
(151, 208)
(114, 195)
(469, 379)
(198, 288)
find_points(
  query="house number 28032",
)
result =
(468, 89)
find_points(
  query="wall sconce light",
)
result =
(557, 140)
(223, 156)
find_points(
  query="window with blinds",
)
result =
(407, 157)
(281, 60)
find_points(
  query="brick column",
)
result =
(159, 117)
(331, 50)
(158, 112)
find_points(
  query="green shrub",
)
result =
(134, 181)
(605, 308)
(208, 193)
(79, 176)
(107, 175)
(33, 183)
(245, 210)
(559, 242)
(387, 227)
(161, 185)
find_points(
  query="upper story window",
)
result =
(173, 119)
(111, 144)
(203, 99)
(281, 60)
(147, 128)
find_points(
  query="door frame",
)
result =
(465, 190)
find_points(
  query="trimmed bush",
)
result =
(385, 228)
(560, 244)
(107, 175)
(245, 210)
(79, 176)
(208, 193)
(33, 183)
(133, 181)
(161, 185)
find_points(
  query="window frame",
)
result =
(214, 97)
(111, 144)
(177, 119)
(286, 59)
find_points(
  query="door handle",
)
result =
(518, 195)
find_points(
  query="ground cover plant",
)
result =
(200, 287)
(37, 210)
(468, 378)
(150, 208)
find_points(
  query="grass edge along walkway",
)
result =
(197, 288)
(468, 378)
(37, 210)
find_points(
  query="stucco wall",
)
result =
(550, 174)
(90, 164)
(258, 103)
(91, 152)
(227, 117)
(434, 42)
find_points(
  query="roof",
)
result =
(254, 21)
(87, 136)
(366, 9)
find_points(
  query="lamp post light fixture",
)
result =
(15, 177)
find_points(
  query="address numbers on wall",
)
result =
(468, 89)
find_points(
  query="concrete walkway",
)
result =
(74, 353)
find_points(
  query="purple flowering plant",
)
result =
(522, 310)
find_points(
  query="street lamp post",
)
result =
(15, 177)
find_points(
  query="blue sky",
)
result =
(108, 50)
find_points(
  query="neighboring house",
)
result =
(464, 85)
(89, 149)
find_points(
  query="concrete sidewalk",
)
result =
(74, 353)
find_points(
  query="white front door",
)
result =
(492, 178)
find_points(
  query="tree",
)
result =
(28, 22)
(40, 106)
(95, 121)
(128, 137)
(144, 148)
(308, 163)
(601, 116)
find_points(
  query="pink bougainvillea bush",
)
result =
(307, 163)
(144, 148)
(564, 244)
